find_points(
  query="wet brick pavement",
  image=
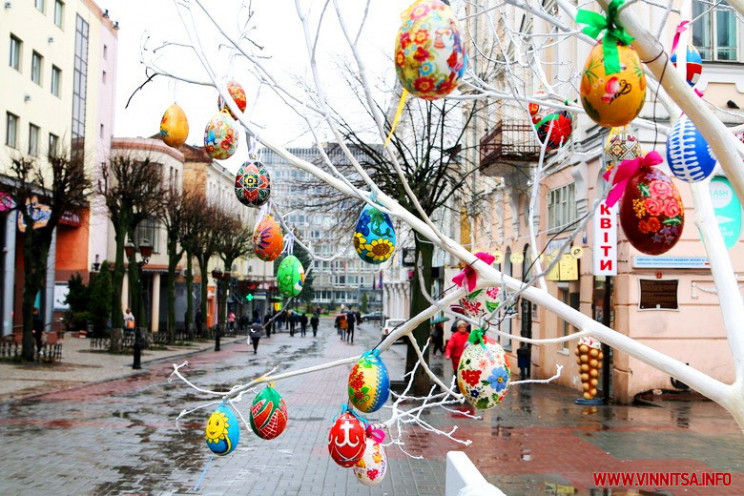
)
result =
(119, 436)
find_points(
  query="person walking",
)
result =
(198, 322)
(38, 329)
(437, 338)
(292, 322)
(268, 324)
(456, 344)
(314, 321)
(303, 325)
(129, 319)
(256, 332)
(231, 322)
(350, 329)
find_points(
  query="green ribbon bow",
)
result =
(477, 336)
(596, 23)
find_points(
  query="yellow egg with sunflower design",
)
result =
(222, 432)
(374, 236)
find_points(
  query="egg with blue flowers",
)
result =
(688, 154)
(253, 184)
(290, 276)
(222, 432)
(220, 136)
(374, 236)
(483, 374)
(369, 383)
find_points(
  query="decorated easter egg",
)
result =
(621, 145)
(483, 374)
(253, 184)
(555, 127)
(237, 94)
(222, 431)
(613, 100)
(372, 467)
(268, 414)
(429, 55)
(651, 212)
(688, 154)
(174, 127)
(290, 276)
(374, 236)
(480, 302)
(346, 440)
(694, 64)
(268, 241)
(220, 136)
(369, 384)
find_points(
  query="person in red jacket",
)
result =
(456, 343)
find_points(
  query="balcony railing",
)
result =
(509, 144)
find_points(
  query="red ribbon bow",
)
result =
(375, 434)
(468, 275)
(625, 171)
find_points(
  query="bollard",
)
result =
(137, 349)
(217, 338)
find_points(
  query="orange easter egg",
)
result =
(268, 240)
(174, 127)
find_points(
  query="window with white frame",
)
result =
(147, 232)
(33, 140)
(56, 80)
(561, 207)
(714, 30)
(11, 130)
(59, 10)
(15, 52)
(53, 144)
(39, 5)
(37, 62)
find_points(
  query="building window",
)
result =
(53, 144)
(59, 11)
(79, 84)
(15, 52)
(56, 79)
(103, 77)
(714, 32)
(564, 327)
(105, 52)
(39, 5)
(33, 140)
(562, 210)
(37, 62)
(147, 232)
(11, 130)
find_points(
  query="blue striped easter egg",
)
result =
(688, 154)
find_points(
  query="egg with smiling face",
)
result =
(222, 432)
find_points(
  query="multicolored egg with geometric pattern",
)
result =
(694, 64)
(222, 431)
(429, 55)
(268, 241)
(268, 414)
(481, 302)
(253, 184)
(371, 469)
(374, 236)
(369, 383)
(621, 145)
(220, 136)
(651, 212)
(238, 95)
(346, 440)
(174, 126)
(483, 374)
(688, 154)
(613, 100)
(290, 276)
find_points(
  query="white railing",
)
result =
(464, 479)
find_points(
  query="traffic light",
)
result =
(249, 297)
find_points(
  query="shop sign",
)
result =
(604, 254)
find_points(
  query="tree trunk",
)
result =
(117, 318)
(35, 251)
(189, 291)
(203, 261)
(421, 382)
(171, 282)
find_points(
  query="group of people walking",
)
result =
(345, 323)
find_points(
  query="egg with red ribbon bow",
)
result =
(268, 414)
(621, 145)
(483, 374)
(371, 469)
(651, 212)
(268, 240)
(480, 302)
(220, 136)
(347, 440)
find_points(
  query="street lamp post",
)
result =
(145, 251)
(220, 278)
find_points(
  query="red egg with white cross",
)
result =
(346, 440)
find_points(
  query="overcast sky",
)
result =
(276, 28)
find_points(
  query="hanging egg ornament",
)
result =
(483, 374)
(556, 128)
(372, 467)
(220, 136)
(651, 212)
(268, 241)
(369, 383)
(253, 184)
(429, 55)
(238, 95)
(589, 358)
(688, 154)
(174, 127)
(268, 414)
(480, 302)
(694, 64)
(290, 276)
(346, 440)
(613, 100)
(374, 236)
(621, 145)
(222, 431)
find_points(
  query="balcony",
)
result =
(507, 149)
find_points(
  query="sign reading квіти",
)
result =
(604, 254)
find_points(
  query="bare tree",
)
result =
(234, 240)
(172, 217)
